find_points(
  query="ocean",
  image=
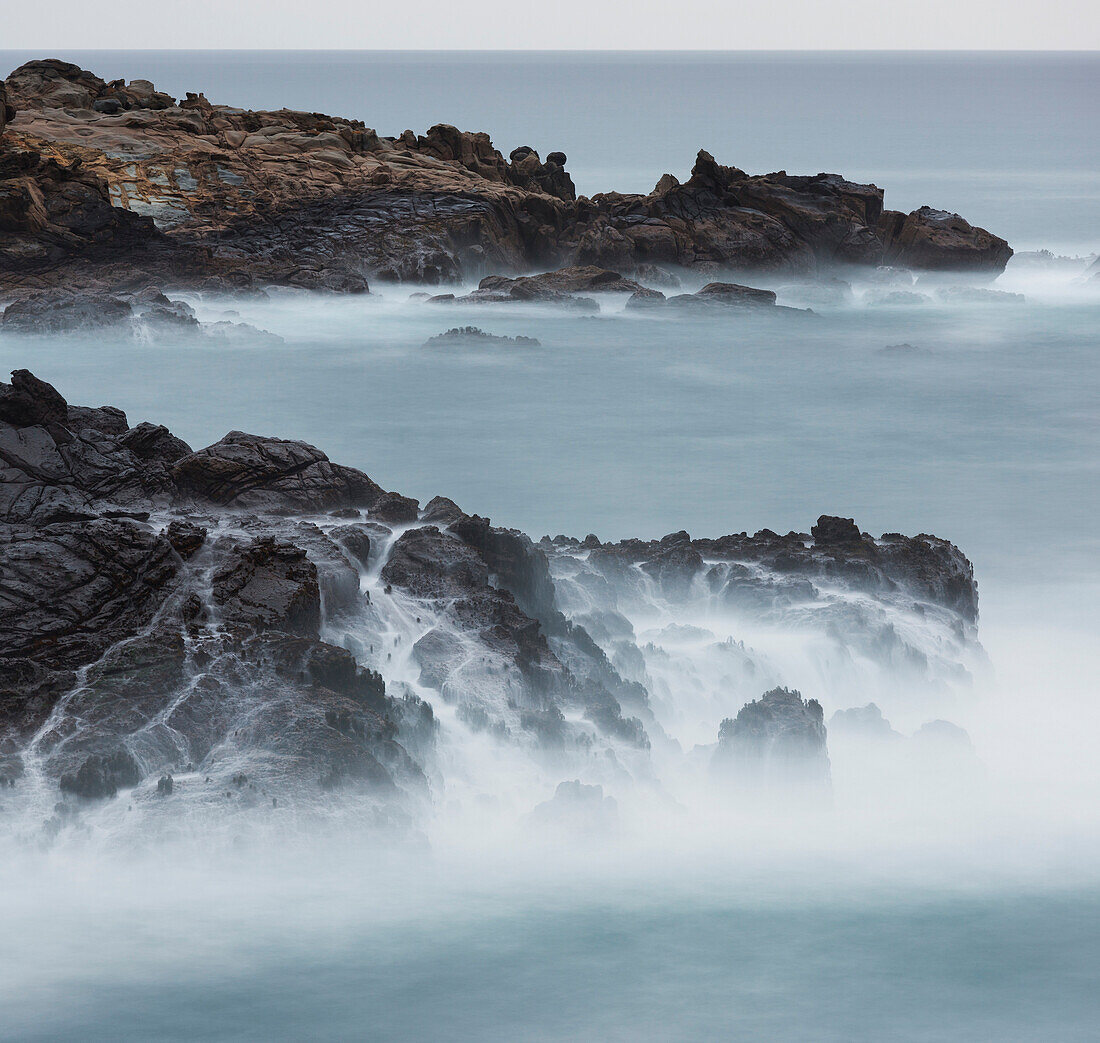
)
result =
(937, 908)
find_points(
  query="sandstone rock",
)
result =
(211, 194)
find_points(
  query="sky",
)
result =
(564, 24)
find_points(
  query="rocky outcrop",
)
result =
(471, 336)
(720, 295)
(195, 644)
(744, 569)
(238, 610)
(115, 183)
(938, 241)
(250, 471)
(779, 738)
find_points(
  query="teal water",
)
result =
(941, 917)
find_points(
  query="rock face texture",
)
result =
(265, 628)
(116, 183)
(778, 738)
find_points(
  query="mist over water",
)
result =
(940, 890)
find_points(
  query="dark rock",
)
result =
(65, 312)
(777, 739)
(155, 442)
(250, 471)
(269, 585)
(939, 241)
(102, 776)
(441, 511)
(28, 401)
(465, 336)
(186, 537)
(395, 508)
(830, 530)
(71, 589)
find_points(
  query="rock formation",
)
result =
(779, 738)
(239, 612)
(112, 184)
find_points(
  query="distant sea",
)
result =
(1009, 140)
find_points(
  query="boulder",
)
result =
(253, 472)
(936, 240)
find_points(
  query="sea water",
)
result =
(936, 912)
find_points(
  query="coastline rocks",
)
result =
(940, 241)
(254, 472)
(269, 585)
(64, 313)
(779, 739)
(102, 776)
(978, 295)
(471, 336)
(105, 183)
(172, 606)
(713, 295)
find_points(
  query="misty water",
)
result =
(934, 895)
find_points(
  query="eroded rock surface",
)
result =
(113, 183)
(267, 629)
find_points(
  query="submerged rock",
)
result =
(471, 336)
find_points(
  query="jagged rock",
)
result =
(7, 109)
(465, 336)
(102, 776)
(830, 531)
(209, 195)
(196, 644)
(186, 537)
(71, 589)
(155, 442)
(441, 511)
(251, 471)
(937, 240)
(778, 739)
(28, 401)
(60, 463)
(269, 585)
(395, 508)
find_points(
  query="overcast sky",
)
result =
(553, 24)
